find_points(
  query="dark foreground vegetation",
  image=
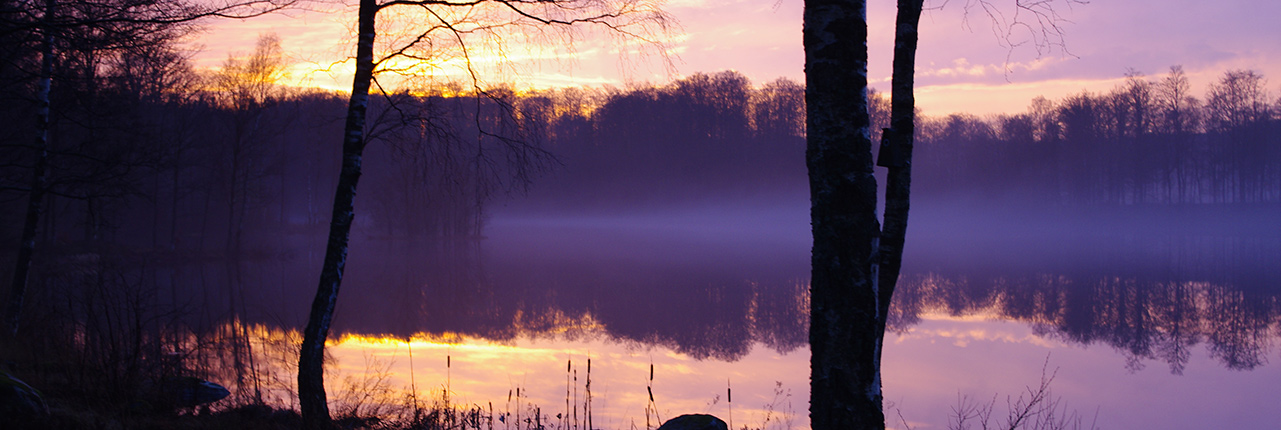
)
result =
(262, 396)
(145, 165)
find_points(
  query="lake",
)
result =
(1139, 318)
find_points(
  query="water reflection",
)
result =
(692, 309)
(1149, 303)
(1154, 302)
(510, 311)
(1154, 299)
(1142, 320)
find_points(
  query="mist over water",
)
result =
(672, 226)
(1115, 301)
(1117, 298)
(713, 279)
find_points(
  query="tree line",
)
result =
(130, 151)
(706, 137)
(1147, 141)
(140, 153)
(146, 151)
(717, 136)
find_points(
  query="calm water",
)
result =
(1142, 321)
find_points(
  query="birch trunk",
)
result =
(899, 140)
(311, 383)
(855, 264)
(39, 180)
(845, 388)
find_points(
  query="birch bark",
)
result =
(311, 368)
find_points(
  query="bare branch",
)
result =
(1035, 23)
(160, 13)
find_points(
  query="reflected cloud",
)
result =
(961, 332)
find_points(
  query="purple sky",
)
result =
(961, 65)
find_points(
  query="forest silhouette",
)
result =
(178, 170)
(175, 197)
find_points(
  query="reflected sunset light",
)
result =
(603, 214)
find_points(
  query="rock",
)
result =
(189, 391)
(694, 422)
(19, 403)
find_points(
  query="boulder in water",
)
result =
(694, 422)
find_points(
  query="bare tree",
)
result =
(1239, 98)
(1175, 103)
(855, 261)
(1237, 109)
(1177, 119)
(778, 109)
(246, 88)
(440, 28)
(115, 24)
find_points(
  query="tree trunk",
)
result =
(855, 264)
(898, 142)
(39, 180)
(311, 383)
(845, 390)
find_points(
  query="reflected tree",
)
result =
(1176, 310)
(1142, 316)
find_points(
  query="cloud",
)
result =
(961, 64)
(960, 68)
(984, 98)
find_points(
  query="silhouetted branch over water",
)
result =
(178, 213)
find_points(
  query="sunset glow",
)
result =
(627, 214)
(962, 66)
(926, 369)
(477, 372)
